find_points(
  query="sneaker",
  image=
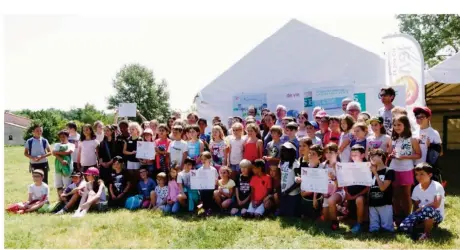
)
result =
(62, 211)
(335, 226)
(208, 212)
(76, 214)
(356, 228)
(424, 236)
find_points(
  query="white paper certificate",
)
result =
(354, 173)
(145, 150)
(127, 110)
(200, 180)
(314, 180)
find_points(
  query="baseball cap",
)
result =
(118, 159)
(38, 171)
(425, 110)
(92, 171)
(312, 123)
(378, 119)
(75, 173)
(321, 114)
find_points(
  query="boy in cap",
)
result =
(70, 198)
(38, 196)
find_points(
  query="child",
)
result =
(38, 195)
(311, 202)
(235, 150)
(207, 195)
(99, 128)
(272, 151)
(335, 194)
(253, 147)
(74, 138)
(324, 131)
(243, 189)
(304, 150)
(346, 124)
(360, 133)
(302, 118)
(291, 131)
(129, 150)
(107, 150)
(194, 146)
(218, 148)
(177, 148)
(159, 198)
(356, 194)
(147, 136)
(183, 179)
(161, 149)
(173, 205)
(119, 184)
(275, 193)
(225, 189)
(146, 187)
(334, 135)
(63, 164)
(205, 138)
(312, 127)
(403, 150)
(260, 186)
(428, 200)
(381, 193)
(428, 137)
(379, 137)
(89, 149)
(93, 195)
(70, 197)
(37, 149)
(290, 184)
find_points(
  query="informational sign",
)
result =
(308, 102)
(361, 98)
(127, 110)
(314, 180)
(202, 180)
(241, 103)
(354, 173)
(330, 98)
(145, 150)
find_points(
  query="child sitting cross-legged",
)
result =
(225, 189)
(260, 186)
(243, 188)
(38, 195)
(158, 199)
(428, 199)
(146, 187)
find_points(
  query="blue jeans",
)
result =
(174, 208)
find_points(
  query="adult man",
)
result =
(252, 111)
(387, 95)
(345, 103)
(280, 114)
(353, 109)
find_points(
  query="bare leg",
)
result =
(406, 200)
(86, 206)
(182, 200)
(428, 225)
(34, 207)
(72, 201)
(153, 199)
(226, 204)
(360, 209)
(333, 201)
(217, 198)
(59, 192)
(397, 201)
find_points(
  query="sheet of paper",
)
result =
(145, 150)
(354, 173)
(127, 110)
(314, 180)
(200, 180)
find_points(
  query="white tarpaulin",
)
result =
(294, 59)
(448, 71)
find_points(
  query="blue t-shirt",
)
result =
(362, 143)
(146, 188)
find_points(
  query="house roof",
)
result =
(16, 120)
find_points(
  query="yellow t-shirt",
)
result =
(227, 187)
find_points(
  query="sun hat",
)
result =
(92, 171)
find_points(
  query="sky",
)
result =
(80, 55)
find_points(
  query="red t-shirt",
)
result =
(162, 145)
(330, 136)
(261, 185)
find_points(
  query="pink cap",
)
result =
(92, 171)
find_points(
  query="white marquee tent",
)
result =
(448, 71)
(296, 55)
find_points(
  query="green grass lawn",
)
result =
(146, 229)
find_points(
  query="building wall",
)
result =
(17, 134)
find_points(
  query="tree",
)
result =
(51, 122)
(135, 83)
(438, 35)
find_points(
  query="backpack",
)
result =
(134, 202)
(42, 140)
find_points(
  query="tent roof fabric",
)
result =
(296, 54)
(448, 71)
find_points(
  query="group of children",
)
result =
(256, 173)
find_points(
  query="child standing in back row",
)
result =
(161, 150)
(195, 145)
(37, 149)
(235, 150)
(218, 148)
(89, 149)
(346, 125)
(253, 147)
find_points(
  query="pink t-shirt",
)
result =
(88, 152)
(174, 191)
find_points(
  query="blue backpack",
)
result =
(134, 202)
(43, 140)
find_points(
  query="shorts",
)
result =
(133, 165)
(326, 200)
(307, 208)
(260, 210)
(352, 210)
(405, 178)
(289, 205)
(61, 181)
(235, 167)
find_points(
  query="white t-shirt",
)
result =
(345, 155)
(75, 140)
(288, 177)
(88, 152)
(211, 168)
(427, 196)
(100, 137)
(423, 136)
(184, 179)
(301, 133)
(39, 191)
(176, 150)
(236, 154)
